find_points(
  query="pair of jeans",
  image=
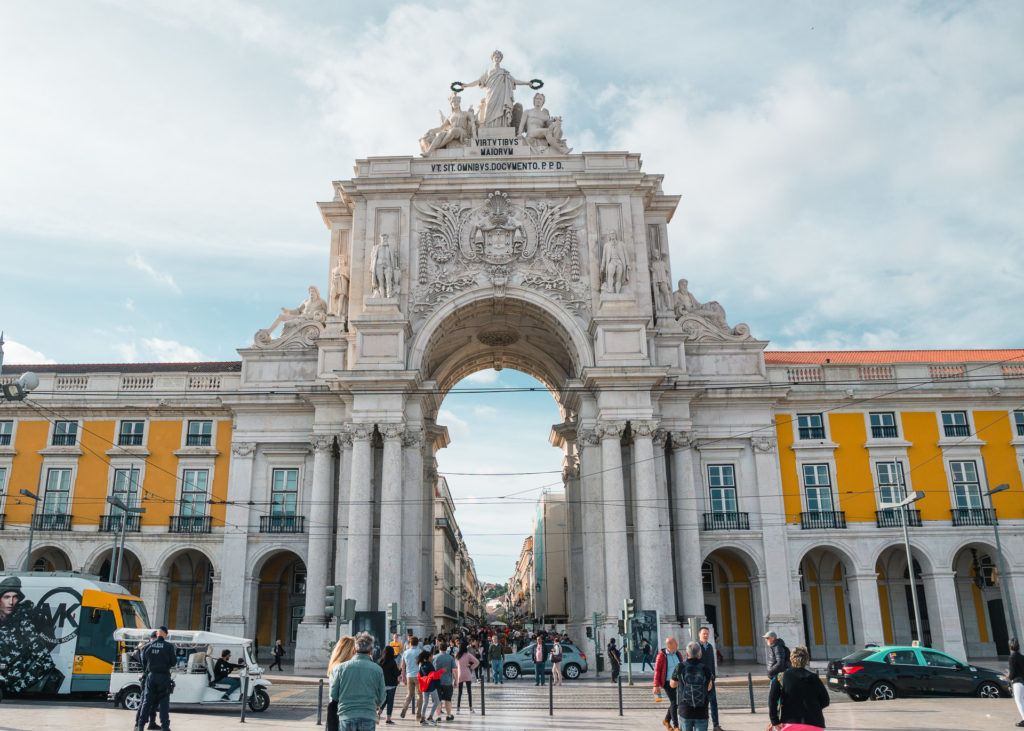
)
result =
(359, 724)
(538, 674)
(389, 700)
(713, 704)
(672, 714)
(496, 672)
(694, 724)
(434, 699)
(1018, 698)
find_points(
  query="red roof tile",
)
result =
(861, 357)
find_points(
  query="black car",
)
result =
(882, 673)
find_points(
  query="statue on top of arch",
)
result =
(704, 321)
(302, 325)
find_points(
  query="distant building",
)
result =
(551, 560)
(520, 586)
(456, 597)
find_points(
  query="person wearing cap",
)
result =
(158, 658)
(778, 654)
(24, 647)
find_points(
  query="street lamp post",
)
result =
(125, 512)
(904, 506)
(1000, 564)
(31, 525)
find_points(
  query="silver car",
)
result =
(574, 662)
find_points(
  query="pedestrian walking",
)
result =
(797, 695)
(540, 656)
(664, 666)
(615, 659)
(709, 656)
(343, 651)
(556, 661)
(392, 677)
(778, 654)
(278, 656)
(158, 658)
(445, 662)
(136, 659)
(396, 645)
(410, 666)
(467, 665)
(496, 656)
(358, 688)
(692, 682)
(1015, 673)
(646, 656)
(429, 680)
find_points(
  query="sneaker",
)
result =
(449, 718)
(718, 728)
(389, 722)
(402, 714)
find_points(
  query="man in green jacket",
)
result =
(358, 687)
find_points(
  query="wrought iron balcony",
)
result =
(112, 523)
(190, 524)
(974, 516)
(52, 521)
(811, 432)
(282, 524)
(197, 440)
(726, 521)
(884, 432)
(129, 440)
(5, 440)
(893, 518)
(956, 430)
(820, 519)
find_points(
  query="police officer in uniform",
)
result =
(158, 658)
(136, 658)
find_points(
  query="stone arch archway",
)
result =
(50, 557)
(894, 593)
(733, 601)
(831, 625)
(103, 562)
(980, 601)
(189, 576)
(279, 598)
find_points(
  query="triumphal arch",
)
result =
(496, 245)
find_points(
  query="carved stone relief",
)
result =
(302, 326)
(496, 243)
(705, 321)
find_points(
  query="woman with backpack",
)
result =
(797, 695)
(692, 683)
(556, 662)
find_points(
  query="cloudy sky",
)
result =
(852, 175)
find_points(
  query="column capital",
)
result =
(610, 429)
(243, 449)
(392, 432)
(322, 442)
(660, 438)
(345, 438)
(588, 437)
(681, 439)
(412, 437)
(360, 432)
(766, 445)
(643, 427)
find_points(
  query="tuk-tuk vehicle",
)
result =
(192, 677)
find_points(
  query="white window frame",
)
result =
(807, 488)
(45, 488)
(144, 435)
(954, 483)
(905, 474)
(967, 423)
(192, 466)
(297, 492)
(6, 466)
(116, 467)
(895, 424)
(711, 488)
(824, 427)
(1017, 419)
(213, 433)
(53, 433)
(12, 434)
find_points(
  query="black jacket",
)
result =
(1016, 670)
(707, 658)
(391, 673)
(797, 696)
(778, 658)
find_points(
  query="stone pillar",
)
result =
(944, 613)
(593, 524)
(344, 482)
(690, 582)
(652, 538)
(389, 586)
(229, 613)
(360, 518)
(153, 590)
(318, 554)
(616, 546)
(413, 508)
(867, 608)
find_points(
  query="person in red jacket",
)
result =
(664, 664)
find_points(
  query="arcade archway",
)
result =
(732, 601)
(50, 558)
(895, 599)
(131, 569)
(983, 615)
(189, 578)
(280, 600)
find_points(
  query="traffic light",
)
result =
(590, 632)
(622, 628)
(629, 607)
(392, 617)
(330, 600)
(349, 613)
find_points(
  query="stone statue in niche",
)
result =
(339, 288)
(384, 270)
(542, 131)
(704, 321)
(458, 130)
(499, 108)
(302, 325)
(659, 279)
(614, 264)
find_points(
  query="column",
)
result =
(153, 591)
(229, 614)
(944, 613)
(344, 482)
(414, 505)
(389, 585)
(318, 530)
(867, 608)
(654, 562)
(616, 550)
(689, 559)
(360, 518)
(593, 524)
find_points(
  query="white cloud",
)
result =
(484, 377)
(164, 278)
(457, 427)
(170, 351)
(18, 354)
(484, 411)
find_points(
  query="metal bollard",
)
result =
(750, 689)
(245, 696)
(483, 698)
(620, 693)
(320, 704)
(551, 693)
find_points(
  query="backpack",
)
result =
(693, 685)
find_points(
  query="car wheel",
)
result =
(883, 691)
(131, 698)
(511, 671)
(571, 671)
(259, 701)
(988, 690)
(858, 697)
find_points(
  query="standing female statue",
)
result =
(499, 86)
